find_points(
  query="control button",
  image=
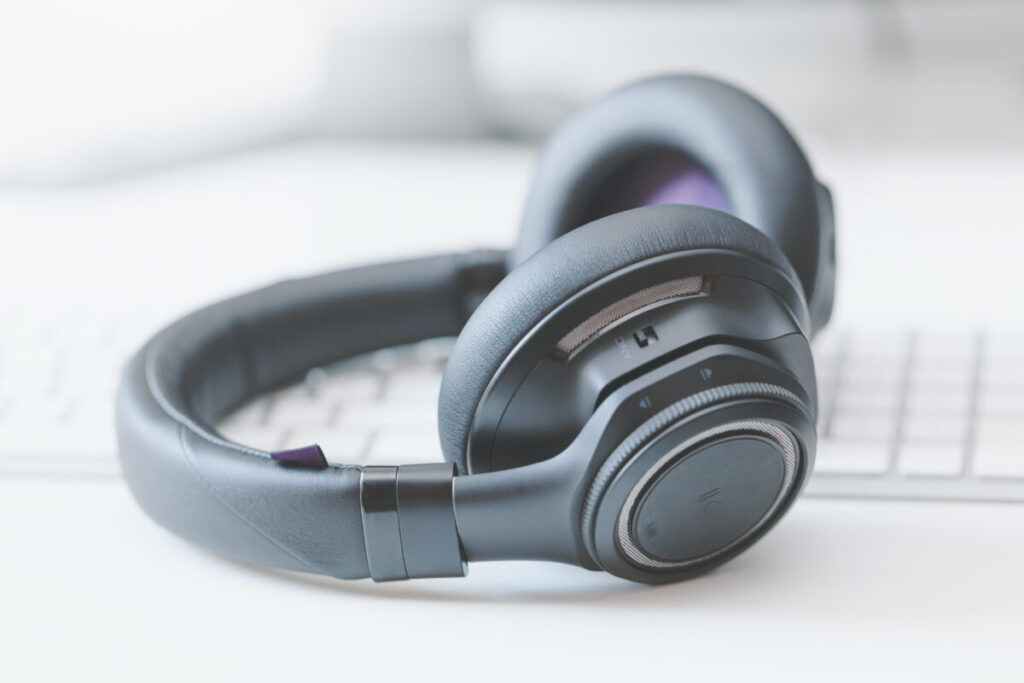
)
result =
(645, 336)
(709, 499)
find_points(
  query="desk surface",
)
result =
(841, 589)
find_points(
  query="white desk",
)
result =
(840, 591)
(844, 590)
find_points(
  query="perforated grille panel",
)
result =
(687, 286)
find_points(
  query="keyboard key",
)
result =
(924, 402)
(878, 342)
(340, 446)
(252, 413)
(29, 373)
(999, 449)
(863, 427)
(935, 428)
(418, 384)
(993, 402)
(33, 412)
(942, 369)
(930, 460)
(298, 407)
(395, 448)
(871, 386)
(946, 345)
(848, 457)
(1002, 373)
(69, 441)
(1002, 348)
(260, 437)
(386, 360)
(434, 351)
(868, 399)
(346, 385)
(881, 370)
(401, 416)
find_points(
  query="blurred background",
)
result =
(303, 126)
(105, 88)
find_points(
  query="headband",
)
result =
(290, 510)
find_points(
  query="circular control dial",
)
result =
(707, 495)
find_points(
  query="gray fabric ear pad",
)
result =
(689, 126)
(560, 270)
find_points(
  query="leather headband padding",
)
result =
(238, 501)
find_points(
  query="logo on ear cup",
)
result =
(707, 500)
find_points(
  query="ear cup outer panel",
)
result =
(566, 267)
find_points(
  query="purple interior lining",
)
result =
(682, 182)
(657, 177)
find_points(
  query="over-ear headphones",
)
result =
(632, 388)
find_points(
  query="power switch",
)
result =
(645, 336)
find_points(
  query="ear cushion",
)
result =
(560, 270)
(737, 155)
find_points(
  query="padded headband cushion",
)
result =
(240, 501)
(560, 270)
(701, 127)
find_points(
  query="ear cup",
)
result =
(562, 269)
(685, 139)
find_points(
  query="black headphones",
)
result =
(636, 394)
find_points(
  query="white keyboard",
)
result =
(920, 415)
(929, 415)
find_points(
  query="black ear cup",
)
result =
(567, 266)
(689, 140)
(674, 259)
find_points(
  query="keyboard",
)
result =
(920, 414)
(911, 414)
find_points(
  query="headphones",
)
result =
(632, 388)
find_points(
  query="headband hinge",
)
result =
(409, 522)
